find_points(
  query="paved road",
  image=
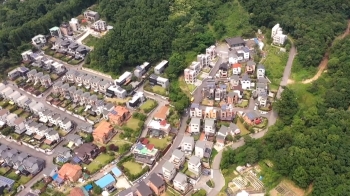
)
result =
(217, 175)
(287, 70)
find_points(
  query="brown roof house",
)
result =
(162, 113)
(70, 172)
(87, 152)
(77, 191)
(157, 184)
(103, 132)
(119, 115)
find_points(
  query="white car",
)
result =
(263, 112)
(255, 107)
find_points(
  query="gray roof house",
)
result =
(62, 154)
(95, 82)
(23, 101)
(252, 115)
(33, 165)
(20, 125)
(223, 130)
(10, 119)
(85, 127)
(143, 189)
(38, 108)
(87, 80)
(187, 144)
(76, 139)
(3, 114)
(14, 96)
(103, 86)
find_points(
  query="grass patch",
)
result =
(133, 123)
(12, 175)
(116, 140)
(58, 55)
(148, 105)
(133, 167)
(25, 115)
(62, 133)
(171, 192)
(159, 143)
(3, 170)
(200, 193)
(214, 152)
(159, 90)
(74, 61)
(45, 146)
(117, 100)
(184, 87)
(19, 111)
(210, 183)
(90, 40)
(99, 162)
(275, 63)
(241, 127)
(300, 72)
(54, 76)
(24, 179)
(243, 104)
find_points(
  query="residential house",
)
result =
(223, 70)
(19, 159)
(87, 80)
(234, 80)
(236, 69)
(187, 144)
(77, 96)
(117, 91)
(211, 52)
(6, 183)
(72, 91)
(57, 87)
(30, 127)
(209, 127)
(178, 158)
(45, 115)
(277, 35)
(74, 139)
(26, 56)
(2, 86)
(168, 170)
(92, 100)
(210, 112)
(6, 92)
(161, 67)
(84, 98)
(137, 99)
(246, 82)
(103, 132)
(232, 98)
(233, 57)
(226, 112)
(162, 113)
(195, 126)
(123, 79)
(95, 83)
(100, 25)
(103, 86)
(128, 192)
(52, 136)
(10, 119)
(70, 172)
(261, 86)
(85, 127)
(234, 130)
(8, 155)
(14, 96)
(20, 125)
(31, 74)
(91, 15)
(142, 69)
(190, 76)
(66, 124)
(263, 99)
(37, 77)
(196, 111)
(19, 71)
(71, 75)
(220, 140)
(202, 150)
(3, 115)
(119, 115)
(235, 42)
(63, 154)
(79, 79)
(33, 165)
(157, 184)
(39, 40)
(245, 52)
(158, 128)
(180, 182)
(250, 67)
(143, 190)
(145, 153)
(194, 165)
(46, 81)
(55, 32)
(41, 131)
(260, 71)
(54, 119)
(23, 101)
(252, 118)
(217, 94)
(81, 52)
(86, 152)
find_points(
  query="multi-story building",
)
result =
(190, 76)
(39, 40)
(194, 165)
(211, 52)
(195, 125)
(246, 82)
(209, 127)
(187, 144)
(157, 80)
(117, 91)
(100, 25)
(260, 71)
(277, 34)
(180, 182)
(145, 153)
(74, 24)
(204, 59)
(168, 170)
(210, 112)
(138, 98)
(161, 67)
(124, 78)
(91, 15)
(177, 158)
(196, 111)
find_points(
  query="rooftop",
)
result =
(105, 181)
(102, 129)
(162, 113)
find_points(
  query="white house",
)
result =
(52, 135)
(180, 182)
(196, 111)
(234, 130)
(187, 144)
(168, 170)
(200, 149)
(236, 69)
(195, 125)
(209, 127)
(277, 34)
(246, 82)
(260, 71)
(194, 165)
(178, 158)
(10, 119)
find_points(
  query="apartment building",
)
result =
(177, 158)
(168, 170)
(277, 35)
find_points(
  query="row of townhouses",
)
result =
(89, 81)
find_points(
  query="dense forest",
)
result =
(20, 21)
(310, 144)
(313, 24)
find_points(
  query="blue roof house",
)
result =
(116, 172)
(105, 181)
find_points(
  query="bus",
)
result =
(192, 99)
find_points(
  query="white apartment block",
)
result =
(168, 170)
(211, 51)
(277, 34)
(190, 76)
(203, 59)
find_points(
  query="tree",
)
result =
(89, 137)
(96, 189)
(230, 138)
(103, 149)
(287, 106)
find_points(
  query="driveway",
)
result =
(217, 175)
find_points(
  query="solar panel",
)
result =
(114, 112)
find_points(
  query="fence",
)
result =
(97, 72)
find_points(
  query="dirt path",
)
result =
(324, 62)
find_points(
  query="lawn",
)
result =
(24, 179)
(3, 170)
(275, 63)
(214, 152)
(171, 192)
(241, 127)
(19, 111)
(53, 76)
(159, 143)
(300, 72)
(200, 193)
(25, 115)
(74, 62)
(159, 90)
(45, 146)
(12, 175)
(133, 123)
(38, 185)
(62, 133)
(243, 104)
(184, 87)
(148, 105)
(98, 163)
(90, 40)
(117, 100)
(58, 55)
(133, 167)
(116, 140)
